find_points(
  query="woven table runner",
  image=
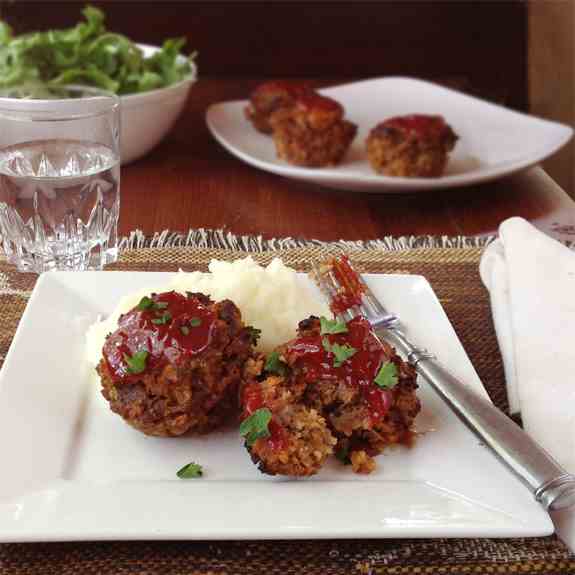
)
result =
(453, 274)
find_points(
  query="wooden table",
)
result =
(190, 181)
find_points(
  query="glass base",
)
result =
(93, 260)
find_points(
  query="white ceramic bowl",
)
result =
(147, 117)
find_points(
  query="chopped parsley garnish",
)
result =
(332, 326)
(343, 455)
(145, 303)
(136, 363)
(341, 353)
(190, 471)
(163, 319)
(256, 425)
(195, 322)
(185, 329)
(387, 375)
(255, 334)
(274, 364)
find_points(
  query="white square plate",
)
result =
(493, 141)
(73, 470)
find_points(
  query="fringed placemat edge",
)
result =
(222, 239)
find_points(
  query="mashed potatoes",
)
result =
(273, 299)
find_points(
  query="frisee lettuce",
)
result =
(88, 54)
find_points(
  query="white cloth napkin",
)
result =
(531, 281)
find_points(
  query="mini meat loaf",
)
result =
(414, 146)
(312, 132)
(270, 97)
(337, 390)
(285, 436)
(175, 363)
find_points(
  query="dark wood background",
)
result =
(189, 181)
(480, 46)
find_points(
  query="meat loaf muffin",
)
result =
(283, 435)
(410, 146)
(312, 132)
(335, 388)
(270, 97)
(175, 362)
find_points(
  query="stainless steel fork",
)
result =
(551, 485)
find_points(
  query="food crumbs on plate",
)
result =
(190, 471)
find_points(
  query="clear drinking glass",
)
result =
(59, 178)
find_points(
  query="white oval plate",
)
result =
(494, 141)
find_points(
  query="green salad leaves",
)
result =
(88, 54)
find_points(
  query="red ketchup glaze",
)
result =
(360, 370)
(422, 125)
(351, 287)
(252, 400)
(310, 100)
(281, 87)
(165, 343)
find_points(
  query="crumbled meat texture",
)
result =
(203, 298)
(196, 394)
(392, 151)
(361, 462)
(269, 98)
(306, 446)
(304, 442)
(329, 416)
(312, 132)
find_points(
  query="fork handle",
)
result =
(550, 483)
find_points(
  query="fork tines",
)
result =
(348, 293)
(322, 274)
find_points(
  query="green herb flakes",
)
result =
(387, 375)
(195, 322)
(190, 471)
(145, 303)
(332, 326)
(163, 319)
(256, 425)
(185, 329)
(274, 364)
(137, 363)
(148, 304)
(341, 353)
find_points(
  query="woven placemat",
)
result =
(453, 274)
